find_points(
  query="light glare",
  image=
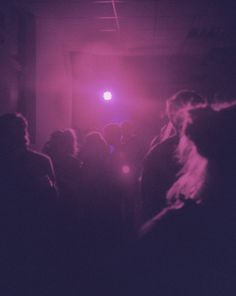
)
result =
(125, 169)
(107, 96)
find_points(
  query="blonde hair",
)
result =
(193, 175)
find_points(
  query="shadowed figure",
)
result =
(189, 248)
(112, 135)
(101, 194)
(160, 166)
(28, 195)
(132, 152)
(99, 228)
(62, 147)
(26, 169)
(122, 168)
(131, 148)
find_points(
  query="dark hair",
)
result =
(95, 147)
(62, 143)
(70, 141)
(14, 130)
(213, 131)
(208, 133)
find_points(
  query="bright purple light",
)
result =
(107, 95)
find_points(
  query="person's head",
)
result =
(176, 108)
(70, 143)
(208, 138)
(95, 148)
(14, 133)
(213, 132)
(182, 101)
(62, 143)
(112, 134)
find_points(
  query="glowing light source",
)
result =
(107, 95)
(125, 169)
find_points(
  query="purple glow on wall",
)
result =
(110, 88)
(107, 95)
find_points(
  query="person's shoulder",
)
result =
(162, 148)
(38, 156)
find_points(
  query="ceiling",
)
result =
(144, 26)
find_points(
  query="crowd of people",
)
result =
(101, 217)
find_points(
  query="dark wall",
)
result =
(26, 42)
(17, 59)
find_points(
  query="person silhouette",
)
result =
(27, 208)
(189, 247)
(160, 165)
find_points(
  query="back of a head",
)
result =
(213, 131)
(95, 147)
(209, 135)
(182, 100)
(62, 143)
(70, 143)
(112, 134)
(13, 132)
